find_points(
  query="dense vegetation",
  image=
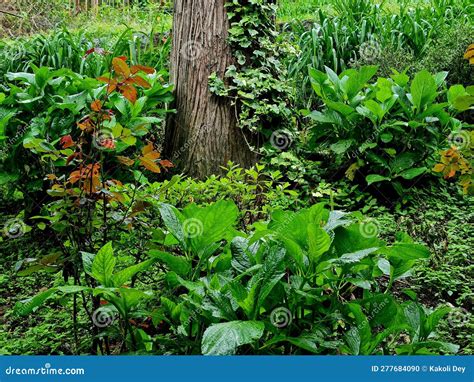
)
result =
(351, 235)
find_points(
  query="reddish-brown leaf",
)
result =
(67, 141)
(125, 160)
(141, 82)
(121, 67)
(166, 163)
(140, 68)
(129, 92)
(96, 105)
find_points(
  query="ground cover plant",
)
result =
(301, 185)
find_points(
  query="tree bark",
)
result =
(203, 135)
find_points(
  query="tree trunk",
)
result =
(203, 135)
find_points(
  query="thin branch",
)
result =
(11, 14)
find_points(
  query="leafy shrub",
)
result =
(388, 130)
(40, 110)
(442, 53)
(364, 32)
(303, 282)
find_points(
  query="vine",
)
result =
(257, 82)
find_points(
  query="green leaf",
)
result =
(358, 337)
(423, 89)
(24, 307)
(406, 252)
(374, 178)
(413, 172)
(319, 242)
(225, 338)
(176, 264)
(464, 102)
(402, 162)
(342, 146)
(125, 275)
(354, 257)
(104, 264)
(171, 218)
(87, 260)
(454, 92)
(204, 226)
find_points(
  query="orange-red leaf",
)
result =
(141, 82)
(121, 67)
(148, 148)
(149, 157)
(107, 80)
(125, 160)
(67, 141)
(96, 105)
(166, 163)
(129, 92)
(140, 68)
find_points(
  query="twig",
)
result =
(11, 14)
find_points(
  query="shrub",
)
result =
(387, 131)
(303, 282)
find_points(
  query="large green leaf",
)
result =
(359, 336)
(175, 263)
(354, 257)
(225, 338)
(423, 89)
(319, 242)
(25, 307)
(125, 275)
(173, 221)
(104, 264)
(204, 226)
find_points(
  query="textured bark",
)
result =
(203, 135)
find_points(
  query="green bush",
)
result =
(302, 282)
(443, 53)
(387, 131)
